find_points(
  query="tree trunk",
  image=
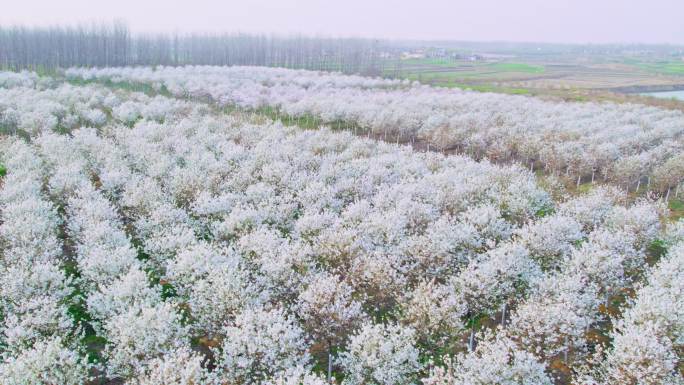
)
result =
(330, 360)
(471, 340)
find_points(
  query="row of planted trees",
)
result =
(635, 147)
(102, 45)
(284, 256)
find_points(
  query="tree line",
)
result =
(49, 48)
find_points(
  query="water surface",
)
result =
(666, 94)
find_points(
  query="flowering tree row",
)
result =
(646, 340)
(208, 248)
(39, 338)
(549, 330)
(48, 105)
(630, 145)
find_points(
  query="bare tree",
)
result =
(100, 45)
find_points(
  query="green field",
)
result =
(441, 70)
(668, 68)
(476, 76)
(490, 88)
(462, 66)
(415, 62)
(597, 76)
(518, 67)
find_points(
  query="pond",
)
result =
(666, 94)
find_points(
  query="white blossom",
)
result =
(178, 367)
(258, 344)
(328, 309)
(496, 361)
(141, 335)
(47, 362)
(381, 354)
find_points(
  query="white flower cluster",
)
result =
(560, 305)
(29, 109)
(37, 340)
(383, 355)
(497, 361)
(646, 339)
(625, 143)
(259, 344)
(126, 309)
(33, 111)
(46, 362)
(20, 79)
(215, 248)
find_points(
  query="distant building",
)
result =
(412, 55)
(437, 53)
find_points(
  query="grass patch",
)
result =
(585, 188)
(668, 67)
(454, 80)
(676, 209)
(490, 88)
(674, 68)
(517, 67)
(544, 211)
(125, 86)
(470, 68)
(439, 62)
(454, 71)
(657, 249)
(437, 76)
(3, 170)
(477, 77)
(93, 347)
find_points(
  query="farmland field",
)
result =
(670, 68)
(617, 78)
(250, 225)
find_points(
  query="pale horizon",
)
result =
(526, 21)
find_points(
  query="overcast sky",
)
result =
(569, 21)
